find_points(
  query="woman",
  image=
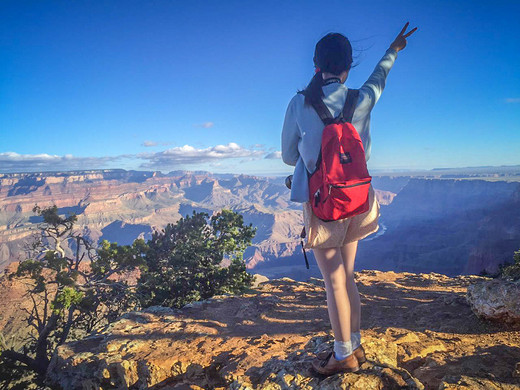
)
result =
(335, 243)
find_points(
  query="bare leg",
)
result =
(332, 269)
(348, 252)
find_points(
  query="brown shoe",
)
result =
(359, 353)
(330, 365)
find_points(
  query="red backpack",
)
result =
(339, 185)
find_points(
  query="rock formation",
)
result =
(435, 224)
(447, 226)
(418, 331)
(497, 300)
(121, 206)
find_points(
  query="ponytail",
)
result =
(314, 90)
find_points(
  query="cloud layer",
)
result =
(173, 158)
(14, 162)
(188, 155)
(274, 155)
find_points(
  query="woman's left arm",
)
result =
(290, 136)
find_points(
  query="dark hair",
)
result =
(333, 54)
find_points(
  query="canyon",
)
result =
(442, 224)
(435, 234)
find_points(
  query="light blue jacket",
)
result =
(302, 127)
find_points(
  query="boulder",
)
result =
(496, 299)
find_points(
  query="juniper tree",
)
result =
(184, 261)
(72, 286)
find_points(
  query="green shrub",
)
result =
(184, 260)
(512, 271)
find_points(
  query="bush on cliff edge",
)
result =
(512, 271)
(184, 260)
(179, 265)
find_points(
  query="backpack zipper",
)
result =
(351, 185)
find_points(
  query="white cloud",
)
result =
(205, 125)
(274, 155)
(170, 158)
(183, 155)
(512, 100)
(14, 162)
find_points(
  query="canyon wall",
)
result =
(451, 226)
(124, 205)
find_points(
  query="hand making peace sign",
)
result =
(400, 42)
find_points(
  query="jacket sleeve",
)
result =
(371, 91)
(290, 135)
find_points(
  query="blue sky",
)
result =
(205, 84)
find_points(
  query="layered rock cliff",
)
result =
(450, 226)
(417, 329)
(123, 205)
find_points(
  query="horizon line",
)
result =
(379, 171)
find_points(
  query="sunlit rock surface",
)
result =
(418, 331)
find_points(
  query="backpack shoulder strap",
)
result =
(350, 104)
(322, 110)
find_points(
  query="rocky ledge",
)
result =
(418, 331)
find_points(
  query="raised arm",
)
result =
(375, 84)
(290, 136)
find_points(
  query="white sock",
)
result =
(342, 349)
(355, 337)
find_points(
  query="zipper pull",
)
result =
(330, 188)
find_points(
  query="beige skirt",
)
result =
(333, 234)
